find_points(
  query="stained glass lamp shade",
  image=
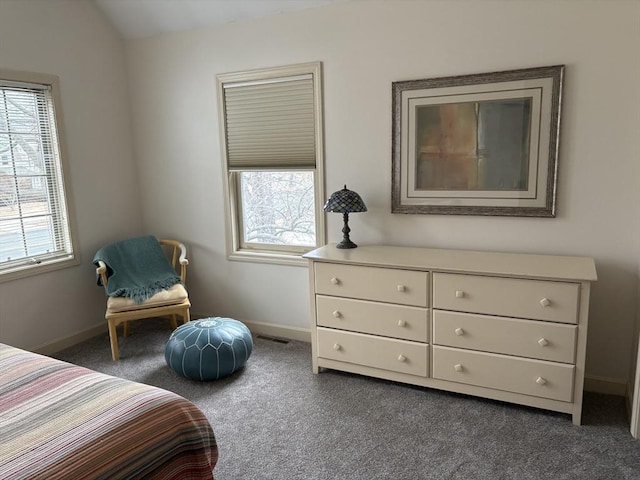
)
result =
(345, 201)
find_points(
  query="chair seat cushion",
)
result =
(173, 296)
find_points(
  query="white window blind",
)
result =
(34, 224)
(270, 123)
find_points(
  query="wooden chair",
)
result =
(173, 302)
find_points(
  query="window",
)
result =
(35, 233)
(271, 131)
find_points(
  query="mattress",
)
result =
(63, 421)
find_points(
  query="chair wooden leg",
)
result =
(125, 332)
(113, 337)
(174, 322)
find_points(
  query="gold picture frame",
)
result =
(481, 144)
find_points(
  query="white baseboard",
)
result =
(257, 328)
(271, 329)
(604, 385)
(70, 341)
(279, 331)
(628, 396)
(608, 386)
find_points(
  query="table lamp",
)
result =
(345, 201)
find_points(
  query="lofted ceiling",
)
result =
(146, 18)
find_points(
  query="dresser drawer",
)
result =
(501, 372)
(513, 297)
(387, 319)
(377, 352)
(389, 285)
(525, 338)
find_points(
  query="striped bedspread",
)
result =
(62, 421)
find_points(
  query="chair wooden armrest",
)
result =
(102, 271)
(178, 256)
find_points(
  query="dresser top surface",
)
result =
(464, 261)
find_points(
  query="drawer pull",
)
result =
(459, 293)
(337, 314)
(401, 323)
(336, 347)
(545, 302)
(457, 367)
(335, 281)
(402, 358)
(458, 331)
(402, 288)
(543, 342)
(540, 381)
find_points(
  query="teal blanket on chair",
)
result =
(136, 268)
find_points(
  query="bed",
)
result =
(62, 421)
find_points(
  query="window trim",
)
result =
(72, 259)
(232, 201)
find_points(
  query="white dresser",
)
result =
(504, 326)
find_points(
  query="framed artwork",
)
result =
(482, 144)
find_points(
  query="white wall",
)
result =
(364, 46)
(71, 39)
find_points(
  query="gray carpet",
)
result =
(274, 419)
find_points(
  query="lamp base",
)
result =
(346, 241)
(346, 244)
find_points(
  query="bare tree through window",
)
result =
(278, 207)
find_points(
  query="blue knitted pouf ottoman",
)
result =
(208, 349)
